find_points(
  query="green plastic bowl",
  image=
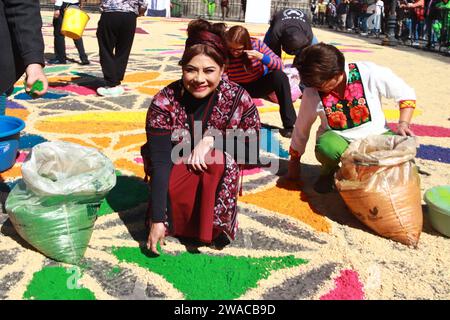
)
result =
(438, 201)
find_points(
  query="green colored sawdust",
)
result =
(113, 272)
(48, 70)
(128, 193)
(200, 276)
(57, 283)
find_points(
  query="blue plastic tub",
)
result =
(10, 128)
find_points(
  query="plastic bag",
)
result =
(294, 82)
(55, 205)
(380, 184)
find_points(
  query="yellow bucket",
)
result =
(74, 22)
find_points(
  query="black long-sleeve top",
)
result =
(161, 149)
(20, 38)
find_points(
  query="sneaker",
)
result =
(56, 61)
(85, 62)
(110, 91)
(325, 184)
(286, 133)
(415, 44)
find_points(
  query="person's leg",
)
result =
(59, 42)
(107, 40)
(80, 47)
(124, 43)
(276, 81)
(329, 148)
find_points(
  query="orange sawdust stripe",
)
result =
(125, 141)
(149, 91)
(134, 149)
(128, 165)
(86, 126)
(14, 172)
(286, 198)
(18, 113)
(141, 76)
(102, 142)
(79, 141)
(158, 83)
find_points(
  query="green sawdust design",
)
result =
(200, 276)
(128, 193)
(55, 283)
(56, 69)
(113, 272)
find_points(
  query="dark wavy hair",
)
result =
(319, 63)
(205, 38)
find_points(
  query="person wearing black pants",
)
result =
(59, 39)
(276, 81)
(254, 66)
(115, 35)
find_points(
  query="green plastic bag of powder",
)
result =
(54, 206)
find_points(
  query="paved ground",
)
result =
(292, 243)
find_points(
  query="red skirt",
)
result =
(204, 204)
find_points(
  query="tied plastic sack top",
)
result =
(64, 168)
(54, 206)
(380, 184)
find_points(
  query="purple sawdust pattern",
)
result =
(434, 153)
(13, 105)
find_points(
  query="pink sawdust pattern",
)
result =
(82, 91)
(258, 102)
(425, 131)
(348, 287)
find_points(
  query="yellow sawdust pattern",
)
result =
(61, 79)
(287, 199)
(102, 142)
(141, 76)
(106, 117)
(79, 141)
(127, 140)
(18, 113)
(14, 172)
(79, 127)
(149, 91)
(128, 165)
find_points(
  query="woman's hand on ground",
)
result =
(157, 234)
(254, 54)
(197, 158)
(404, 129)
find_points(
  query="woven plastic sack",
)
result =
(380, 184)
(54, 206)
(294, 82)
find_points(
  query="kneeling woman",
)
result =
(347, 99)
(194, 194)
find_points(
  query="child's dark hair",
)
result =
(205, 38)
(319, 63)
